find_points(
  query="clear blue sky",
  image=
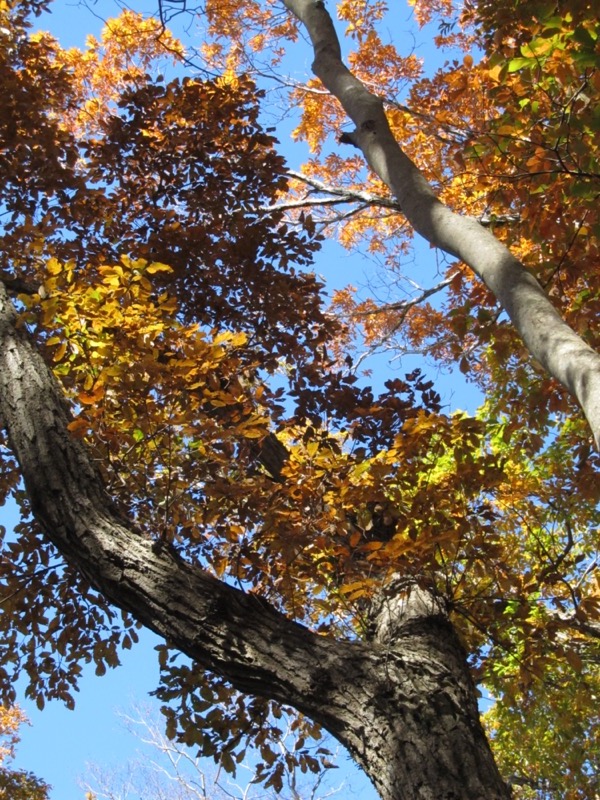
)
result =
(59, 743)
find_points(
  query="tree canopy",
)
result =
(186, 426)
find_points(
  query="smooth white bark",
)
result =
(563, 353)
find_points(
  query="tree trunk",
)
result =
(402, 702)
(563, 354)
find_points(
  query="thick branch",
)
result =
(224, 629)
(549, 339)
(403, 703)
(18, 285)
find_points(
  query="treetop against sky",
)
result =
(186, 426)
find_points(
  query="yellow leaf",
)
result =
(53, 266)
(254, 433)
(352, 587)
(238, 339)
(156, 266)
(311, 448)
(60, 351)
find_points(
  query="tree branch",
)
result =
(548, 338)
(18, 285)
(340, 195)
(236, 634)
(403, 723)
(402, 308)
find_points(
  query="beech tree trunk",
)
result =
(563, 354)
(402, 703)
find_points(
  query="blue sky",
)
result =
(59, 743)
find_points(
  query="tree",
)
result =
(341, 555)
(16, 784)
(167, 770)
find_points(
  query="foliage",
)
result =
(145, 234)
(16, 784)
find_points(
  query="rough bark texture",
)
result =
(564, 355)
(403, 703)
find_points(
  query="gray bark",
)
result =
(403, 702)
(563, 354)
